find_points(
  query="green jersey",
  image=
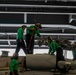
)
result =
(14, 65)
(20, 32)
(36, 31)
(53, 46)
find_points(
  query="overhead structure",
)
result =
(54, 15)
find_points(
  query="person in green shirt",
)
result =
(14, 65)
(20, 40)
(31, 31)
(55, 47)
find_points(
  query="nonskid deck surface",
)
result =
(38, 72)
(37, 62)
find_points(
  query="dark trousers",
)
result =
(30, 43)
(15, 73)
(59, 56)
(20, 45)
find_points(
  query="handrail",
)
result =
(43, 25)
(68, 34)
(3, 12)
(35, 6)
